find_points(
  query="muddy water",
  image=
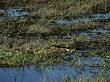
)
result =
(91, 68)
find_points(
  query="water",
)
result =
(13, 14)
(2, 12)
(91, 18)
(55, 73)
(100, 17)
(92, 61)
(72, 21)
(97, 33)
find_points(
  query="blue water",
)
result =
(14, 12)
(55, 73)
(32, 74)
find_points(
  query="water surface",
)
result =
(97, 17)
(14, 14)
(97, 33)
(91, 69)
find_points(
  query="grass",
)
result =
(61, 8)
(85, 80)
(44, 54)
(38, 40)
(70, 8)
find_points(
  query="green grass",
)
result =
(85, 80)
(31, 45)
(70, 8)
(39, 41)
(32, 41)
(44, 54)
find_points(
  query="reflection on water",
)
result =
(55, 73)
(30, 74)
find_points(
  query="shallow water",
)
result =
(21, 12)
(72, 21)
(99, 17)
(13, 14)
(97, 33)
(91, 69)
(91, 18)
